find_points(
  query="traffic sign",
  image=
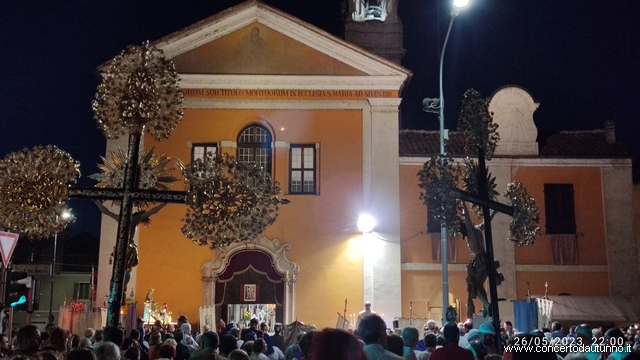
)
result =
(8, 243)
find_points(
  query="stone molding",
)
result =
(211, 269)
(528, 161)
(522, 267)
(291, 82)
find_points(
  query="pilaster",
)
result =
(381, 258)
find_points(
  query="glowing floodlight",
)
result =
(366, 223)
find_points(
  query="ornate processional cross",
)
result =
(440, 178)
(140, 89)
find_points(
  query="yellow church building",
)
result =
(321, 115)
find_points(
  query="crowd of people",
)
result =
(371, 341)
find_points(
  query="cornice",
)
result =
(290, 82)
(535, 162)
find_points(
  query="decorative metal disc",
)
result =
(524, 223)
(233, 201)
(140, 88)
(33, 186)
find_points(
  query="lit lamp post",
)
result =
(437, 106)
(65, 215)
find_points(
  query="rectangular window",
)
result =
(559, 209)
(199, 150)
(82, 290)
(302, 177)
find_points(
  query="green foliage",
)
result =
(476, 124)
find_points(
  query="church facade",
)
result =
(322, 116)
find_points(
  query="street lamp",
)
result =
(65, 215)
(437, 106)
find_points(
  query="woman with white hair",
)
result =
(186, 330)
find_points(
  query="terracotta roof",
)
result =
(427, 142)
(583, 144)
(563, 144)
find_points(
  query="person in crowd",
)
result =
(556, 329)
(155, 339)
(277, 339)
(45, 338)
(305, 344)
(584, 336)
(432, 328)
(364, 312)
(277, 354)
(248, 347)
(166, 351)
(189, 343)
(97, 338)
(373, 331)
(259, 350)
(615, 336)
(430, 342)
(89, 333)
(253, 327)
(464, 338)
(81, 354)
(475, 344)
(132, 353)
(210, 342)
(227, 344)
(73, 341)
(486, 341)
(85, 343)
(107, 350)
(221, 327)
(58, 343)
(395, 344)
(450, 348)
(336, 344)
(508, 329)
(205, 328)
(410, 336)
(141, 331)
(113, 334)
(267, 338)
(182, 320)
(238, 354)
(171, 341)
(235, 332)
(186, 331)
(5, 347)
(182, 351)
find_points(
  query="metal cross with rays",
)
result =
(126, 196)
(440, 178)
(140, 89)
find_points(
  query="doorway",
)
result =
(256, 276)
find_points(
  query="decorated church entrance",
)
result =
(246, 281)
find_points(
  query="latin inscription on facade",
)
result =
(298, 94)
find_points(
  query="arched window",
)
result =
(254, 146)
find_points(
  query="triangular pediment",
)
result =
(259, 49)
(256, 40)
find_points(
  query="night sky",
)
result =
(579, 59)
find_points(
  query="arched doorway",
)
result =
(245, 275)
